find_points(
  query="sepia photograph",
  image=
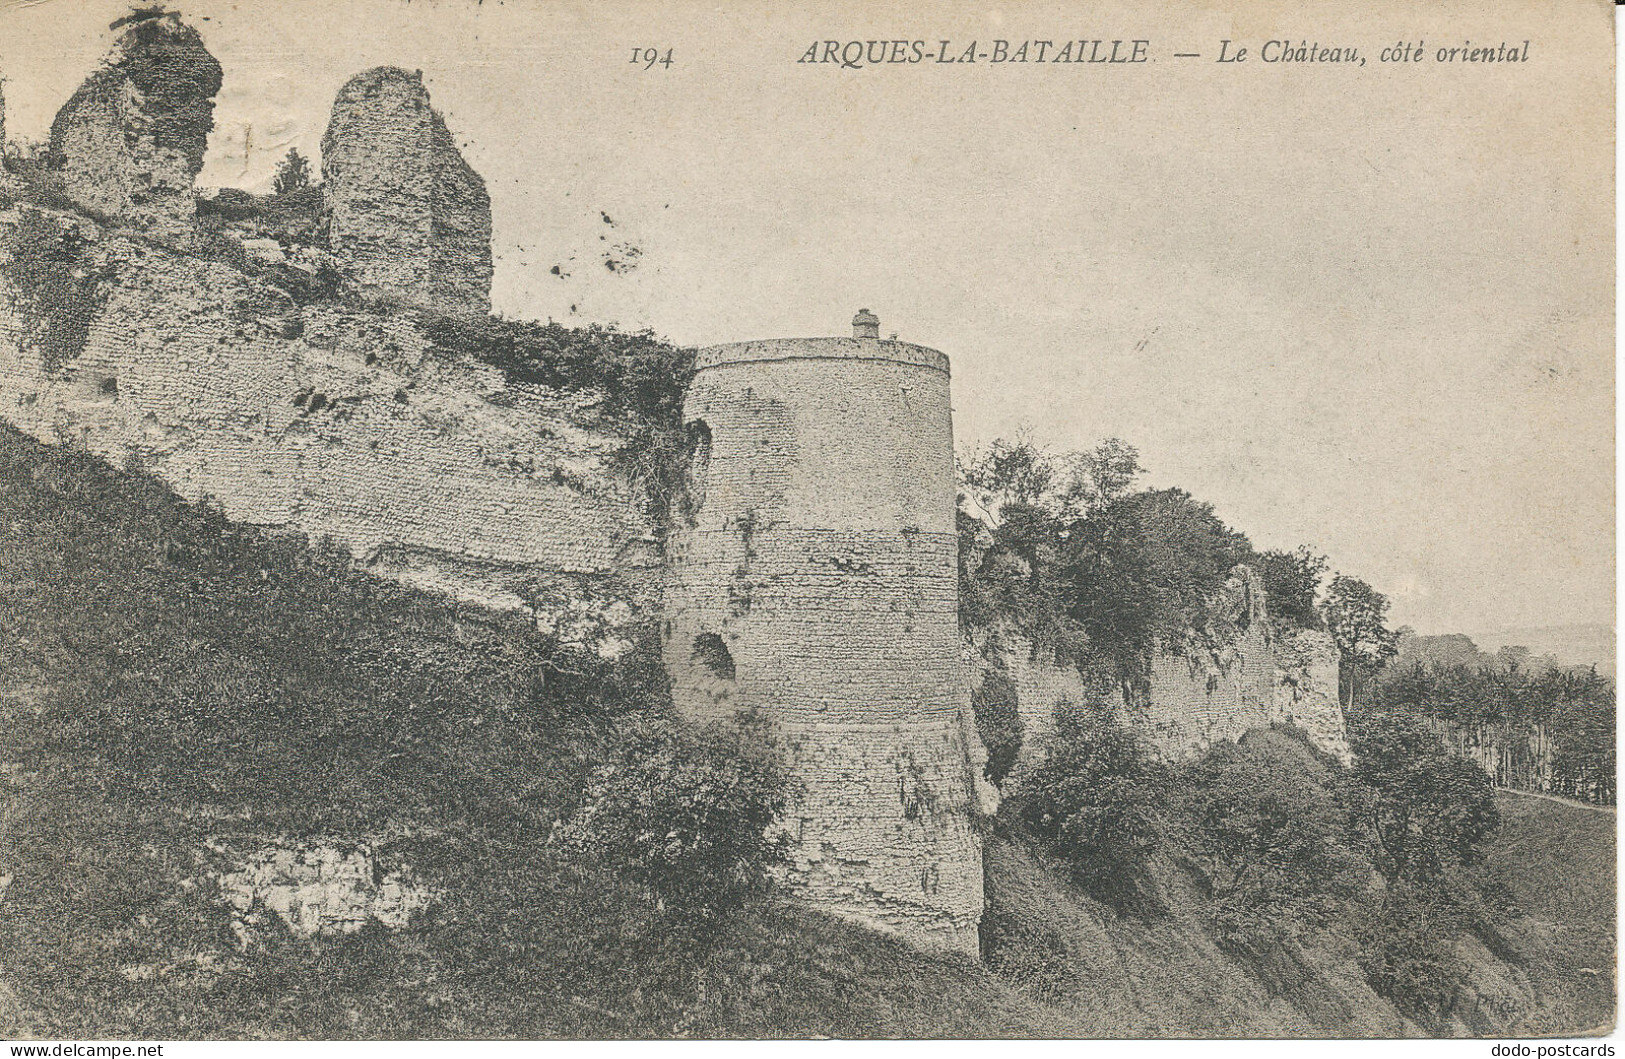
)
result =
(549, 520)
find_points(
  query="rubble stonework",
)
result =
(1247, 673)
(439, 472)
(813, 582)
(407, 217)
(1307, 663)
(1250, 676)
(1045, 690)
(129, 143)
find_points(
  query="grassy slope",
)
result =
(1547, 972)
(1164, 973)
(167, 679)
(1558, 862)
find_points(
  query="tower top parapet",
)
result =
(865, 344)
(776, 349)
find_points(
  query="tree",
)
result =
(1009, 472)
(1266, 823)
(1067, 486)
(1425, 809)
(1356, 615)
(1082, 564)
(1143, 570)
(292, 173)
(1101, 477)
(1292, 584)
(1093, 797)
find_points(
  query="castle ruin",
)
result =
(129, 143)
(809, 573)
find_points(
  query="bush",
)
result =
(1291, 583)
(57, 290)
(1408, 955)
(998, 722)
(1094, 799)
(1270, 836)
(1101, 575)
(684, 813)
(1425, 810)
(638, 373)
(293, 216)
(292, 173)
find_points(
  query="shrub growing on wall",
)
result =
(1292, 584)
(1082, 564)
(57, 292)
(998, 722)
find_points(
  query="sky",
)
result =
(1368, 308)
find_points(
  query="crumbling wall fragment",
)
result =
(1243, 672)
(407, 217)
(129, 143)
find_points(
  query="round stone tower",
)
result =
(813, 583)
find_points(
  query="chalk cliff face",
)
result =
(129, 143)
(334, 422)
(407, 217)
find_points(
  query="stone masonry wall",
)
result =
(1253, 677)
(1250, 678)
(343, 424)
(129, 143)
(1306, 669)
(813, 582)
(407, 218)
(1044, 691)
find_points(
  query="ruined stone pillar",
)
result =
(813, 581)
(130, 142)
(407, 217)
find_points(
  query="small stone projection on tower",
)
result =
(129, 143)
(407, 217)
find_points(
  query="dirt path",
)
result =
(1555, 798)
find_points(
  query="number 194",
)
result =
(649, 57)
